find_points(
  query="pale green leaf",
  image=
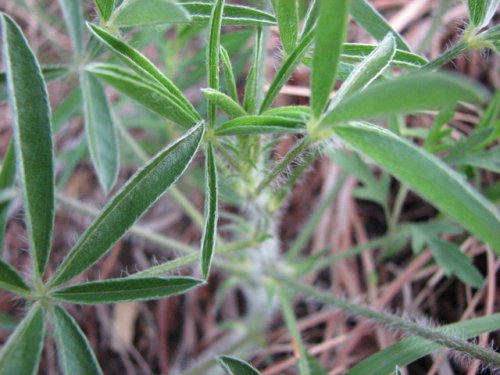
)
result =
(73, 18)
(125, 290)
(287, 15)
(260, 125)
(224, 102)
(428, 176)
(413, 348)
(105, 8)
(213, 57)
(330, 36)
(372, 21)
(128, 205)
(7, 179)
(368, 70)
(21, 353)
(147, 92)
(238, 15)
(75, 354)
(145, 13)
(406, 94)
(230, 81)
(100, 131)
(211, 212)
(11, 280)
(235, 366)
(32, 138)
(353, 52)
(143, 66)
(481, 11)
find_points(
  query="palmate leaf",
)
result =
(428, 176)
(211, 212)
(236, 366)
(406, 94)
(152, 12)
(128, 205)
(125, 290)
(32, 138)
(330, 36)
(100, 131)
(21, 354)
(413, 348)
(75, 354)
(7, 179)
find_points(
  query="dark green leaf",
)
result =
(251, 98)
(481, 11)
(453, 261)
(21, 353)
(427, 175)
(11, 280)
(73, 17)
(225, 103)
(330, 37)
(33, 138)
(7, 179)
(147, 92)
(75, 354)
(286, 70)
(489, 159)
(413, 348)
(213, 56)
(235, 366)
(233, 14)
(373, 22)
(229, 74)
(125, 290)
(100, 131)
(260, 125)
(105, 8)
(150, 12)
(407, 94)
(294, 112)
(128, 205)
(288, 22)
(211, 212)
(143, 66)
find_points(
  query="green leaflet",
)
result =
(428, 176)
(152, 12)
(368, 70)
(8, 322)
(407, 94)
(7, 179)
(213, 56)
(105, 8)
(452, 260)
(224, 102)
(373, 22)
(481, 11)
(260, 125)
(229, 74)
(358, 51)
(50, 73)
(143, 66)
(100, 131)
(32, 138)
(211, 212)
(251, 98)
(413, 348)
(235, 366)
(11, 280)
(288, 22)
(295, 112)
(21, 354)
(73, 18)
(147, 92)
(125, 290)
(75, 354)
(127, 206)
(286, 70)
(232, 15)
(330, 36)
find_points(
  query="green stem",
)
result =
(437, 335)
(448, 55)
